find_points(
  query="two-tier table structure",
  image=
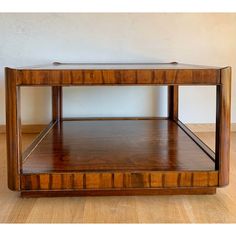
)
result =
(117, 156)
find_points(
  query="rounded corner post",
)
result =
(223, 123)
(13, 129)
(9, 69)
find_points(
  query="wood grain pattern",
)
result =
(118, 77)
(13, 128)
(37, 128)
(173, 102)
(117, 155)
(223, 117)
(120, 192)
(56, 103)
(119, 180)
(113, 145)
(219, 208)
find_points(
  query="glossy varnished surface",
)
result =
(72, 155)
(76, 77)
(219, 208)
(118, 145)
(65, 74)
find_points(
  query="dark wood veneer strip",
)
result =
(112, 118)
(130, 192)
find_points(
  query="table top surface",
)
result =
(114, 66)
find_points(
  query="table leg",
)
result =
(173, 100)
(223, 126)
(56, 103)
(13, 130)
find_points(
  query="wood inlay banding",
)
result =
(126, 180)
(118, 77)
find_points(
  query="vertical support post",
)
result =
(13, 129)
(223, 107)
(56, 103)
(173, 102)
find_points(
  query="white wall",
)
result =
(27, 39)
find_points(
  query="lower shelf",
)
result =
(117, 155)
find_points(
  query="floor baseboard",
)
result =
(26, 129)
(209, 127)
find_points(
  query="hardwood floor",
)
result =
(219, 208)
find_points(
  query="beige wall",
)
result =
(27, 39)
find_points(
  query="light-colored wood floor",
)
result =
(219, 208)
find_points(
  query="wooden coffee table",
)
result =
(117, 156)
